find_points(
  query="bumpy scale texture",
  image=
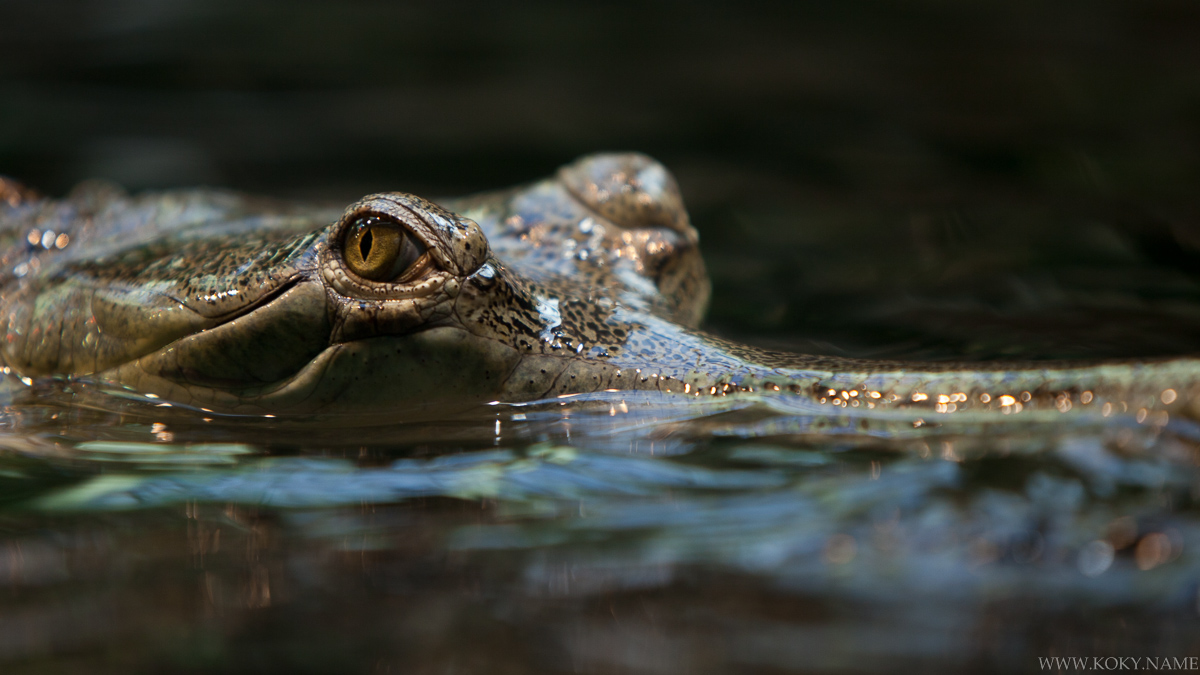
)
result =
(586, 281)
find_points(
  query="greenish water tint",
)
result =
(762, 535)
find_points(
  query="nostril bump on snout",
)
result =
(629, 189)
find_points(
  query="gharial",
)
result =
(587, 281)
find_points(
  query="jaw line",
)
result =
(259, 303)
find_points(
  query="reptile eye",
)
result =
(380, 249)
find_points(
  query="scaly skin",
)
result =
(587, 281)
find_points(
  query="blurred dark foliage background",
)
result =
(854, 167)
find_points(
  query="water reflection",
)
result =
(827, 524)
(737, 535)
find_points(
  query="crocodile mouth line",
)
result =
(266, 299)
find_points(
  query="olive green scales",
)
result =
(590, 280)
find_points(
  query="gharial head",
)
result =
(398, 305)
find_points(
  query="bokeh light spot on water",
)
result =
(1095, 557)
(1153, 550)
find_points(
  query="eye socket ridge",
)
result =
(378, 248)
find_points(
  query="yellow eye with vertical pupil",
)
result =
(380, 249)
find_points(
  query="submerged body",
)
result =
(587, 281)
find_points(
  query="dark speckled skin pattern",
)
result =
(587, 281)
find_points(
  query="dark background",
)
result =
(855, 168)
